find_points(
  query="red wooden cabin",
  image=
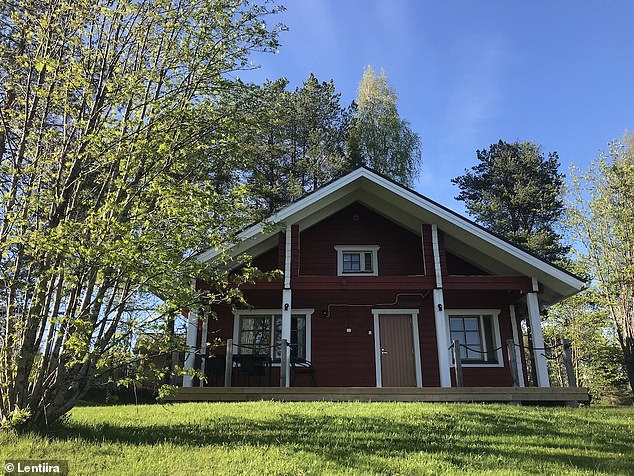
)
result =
(378, 280)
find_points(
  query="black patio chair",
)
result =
(215, 368)
(303, 367)
(254, 365)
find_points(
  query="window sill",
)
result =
(479, 364)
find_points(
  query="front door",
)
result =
(396, 347)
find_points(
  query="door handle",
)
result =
(383, 352)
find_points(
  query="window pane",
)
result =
(298, 336)
(368, 262)
(255, 335)
(277, 350)
(471, 323)
(352, 262)
(466, 329)
(455, 324)
(492, 355)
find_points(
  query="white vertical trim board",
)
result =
(377, 351)
(436, 246)
(517, 340)
(417, 359)
(287, 258)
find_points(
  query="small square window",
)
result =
(357, 260)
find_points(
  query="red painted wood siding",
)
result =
(347, 358)
(458, 266)
(400, 252)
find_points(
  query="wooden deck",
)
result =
(388, 394)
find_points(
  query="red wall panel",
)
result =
(400, 252)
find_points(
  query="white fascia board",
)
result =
(296, 210)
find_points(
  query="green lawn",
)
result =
(269, 438)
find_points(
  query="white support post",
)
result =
(287, 307)
(192, 337)
(518, 341)
(442, 339)
(538, 339)
(203, 350)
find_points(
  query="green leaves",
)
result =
(602, 219)
(118, 147)
(382, 140)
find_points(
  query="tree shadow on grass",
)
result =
(473, 439)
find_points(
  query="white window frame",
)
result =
(238, 313)
(495, 315)
(373, 249)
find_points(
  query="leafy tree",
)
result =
(583, 321)
(379, 138)
(516, 192)
(118, 149)
(604, 227)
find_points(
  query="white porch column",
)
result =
(517, 339)
(541, 366)
(203, 349)
(192, 337)
(287, 302)
(442, 339)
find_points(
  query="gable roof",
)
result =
(407, 208)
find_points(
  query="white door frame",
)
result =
(377, 343)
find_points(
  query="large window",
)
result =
(260, 332)
(478, 334)
(357, 260)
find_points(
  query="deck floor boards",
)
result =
(396, 394)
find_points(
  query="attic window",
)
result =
(357, 260)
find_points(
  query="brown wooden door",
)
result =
(398, 368)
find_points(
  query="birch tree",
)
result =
(118, 121)
(604, 226)
(380, 138)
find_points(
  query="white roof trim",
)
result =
(444, 214)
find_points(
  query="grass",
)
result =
(272, 438)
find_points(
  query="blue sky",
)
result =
(468, 73)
